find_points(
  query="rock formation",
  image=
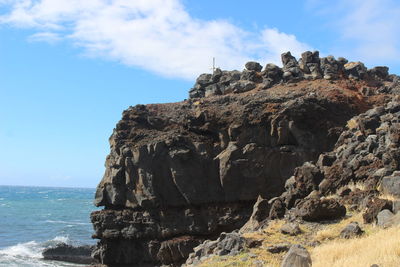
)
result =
(180, 173)
(69, 253)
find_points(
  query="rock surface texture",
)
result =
(181, 173)
(68, 253)
(297, 256)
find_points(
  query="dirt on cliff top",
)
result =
(197, 117)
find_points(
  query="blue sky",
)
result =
(68, 68)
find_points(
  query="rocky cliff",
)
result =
(180, 173)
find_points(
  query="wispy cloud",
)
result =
(156, 35)
(368, 29)
(49, 37)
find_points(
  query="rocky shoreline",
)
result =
(278, 139)
(68, 253)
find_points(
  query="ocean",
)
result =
(33, 218)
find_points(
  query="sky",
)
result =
(68, 68)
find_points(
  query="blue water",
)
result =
(33, 218)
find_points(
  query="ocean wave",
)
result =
(30, 254)
(30, 249)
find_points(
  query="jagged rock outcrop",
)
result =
(309, 67)
(367, 152)
(180, 173)
(226, 244)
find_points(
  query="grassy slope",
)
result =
(376, 246)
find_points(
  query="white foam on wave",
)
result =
(30, 254)
(62, 239)
(30, 249)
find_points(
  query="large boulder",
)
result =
(320, 209)
(297, 256)
(291, 228)
(391, 185)
(254, 66)
(374, 206)
(355, 70)
(310, 64)
(227, 244)
(331, 68)
(384, 217)
(291, 68)
(259, 216)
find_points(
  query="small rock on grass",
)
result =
(384, 217)
(297, 256)
(278, 248)
(291, 228)
(351, 230)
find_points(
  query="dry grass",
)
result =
(358, 185)
(270, 236)
(381, 247)
(388, 197)
(376, 246)
(332, 231)
(241, 260)
(351, 124)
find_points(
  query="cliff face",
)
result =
(180, 173)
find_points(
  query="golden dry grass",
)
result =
(332, 231)
(351, 124)
(270, 236)
(376, 246)
(358, 185)
(388, 197)
(381, 247)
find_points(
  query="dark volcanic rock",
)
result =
(277, 210)
(384, 217)
(259, 216)
(351, 230)
(68, 253)
(291, 228)
(291, 68)
(310, 66)
(365, 153)
(391, 185)
(181, 173)
(374, 206)
(278, 248)
(255, 66)
(227, 244)
(320, 209)
(297, 256)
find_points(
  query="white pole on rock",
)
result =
(213, 66)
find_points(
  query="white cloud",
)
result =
(368, 29)
(156, 35)
(49, 37)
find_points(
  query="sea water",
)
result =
(34, 218)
